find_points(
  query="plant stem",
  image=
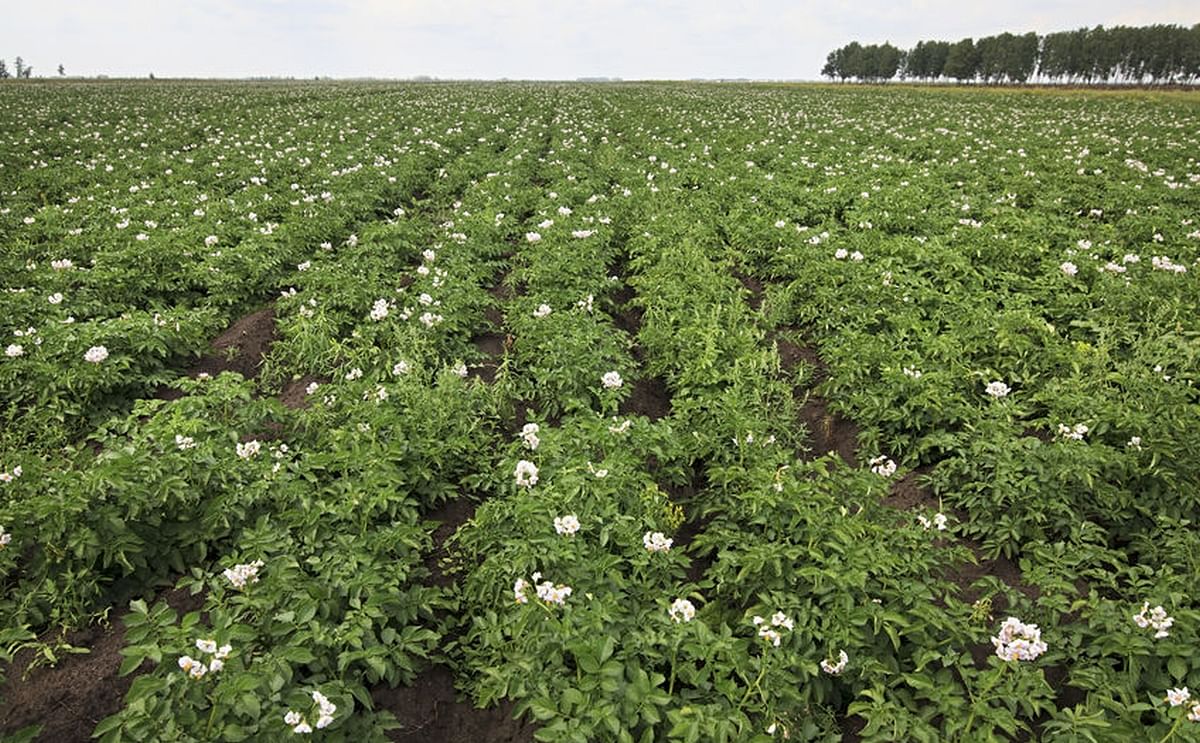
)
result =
(982, 698)
(1171, 732)
(674, 655)
(762, 669)
(211, 716)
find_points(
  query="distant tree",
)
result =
(852, 61)
(1020, 59)
(833, 66)
(1055, 53)
(915, 62)
(866, 62)
(1181, 53)
(1006, 57)
(1192, 58)
(962, 61)
(3, 70)
(1134, 43)
(873, 62)
(989, 51)
(1102, 53)
(938, 51)
(887, 61)
(926, 60)
(61, 71)
(19, 64)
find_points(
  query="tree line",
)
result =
(22, 70)
(1160, 54)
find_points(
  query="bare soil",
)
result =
(241, 348)
(792, 355)
(626, 315)
(650, 397)
(907, 494)
(430, 712)
(492, 346)
(828, 431)
(295, 394)
(69, 699)
(450, 515)
(753, 285)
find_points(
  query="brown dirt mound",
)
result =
(241, 348)
(295, 394)
(68, 700)
(752, 285)
(699, 565)
(684, 495)
(828, 431)
(907, 493)
(650, 397)
(502, 290)
(450, 515)
(851, 726)
(1000, 567)
(493, 346)
(626, 315)
(493, 314)
(429, 712)
(524, 410)
(792, 355)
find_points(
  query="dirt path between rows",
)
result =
(69, 699)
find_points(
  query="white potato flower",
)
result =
(526, 474)
(656, 541)
(998, 389)
(566, 525)
(883, 466)
(681, 611)
(835, 667)
(1018, 641)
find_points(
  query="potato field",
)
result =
(619, 412)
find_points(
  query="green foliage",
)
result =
(668, 302)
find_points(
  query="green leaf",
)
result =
(542, 711)
(1178, 668)
(298, 655)
(573, 698)
(107, 725)
(130, 664)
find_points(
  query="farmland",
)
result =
(634, 412)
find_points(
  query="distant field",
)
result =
(632, 412)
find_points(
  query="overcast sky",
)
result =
(541, 39)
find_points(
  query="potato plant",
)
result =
(661, 413)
